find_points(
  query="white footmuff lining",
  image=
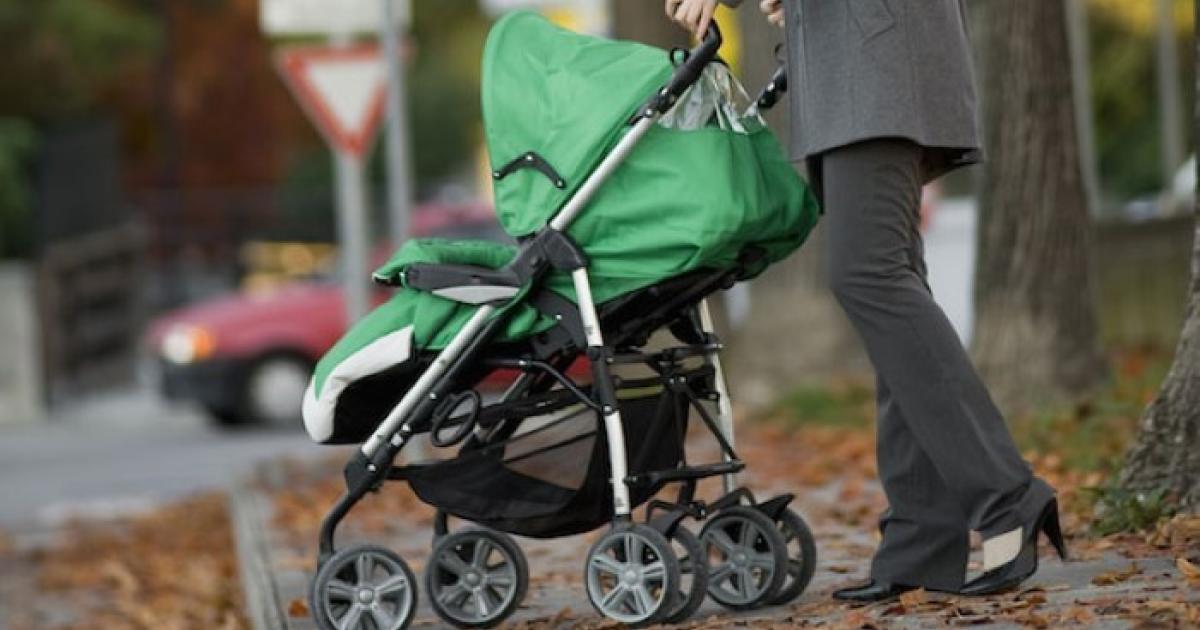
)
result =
(325, 414)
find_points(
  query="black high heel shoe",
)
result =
(1007, 576)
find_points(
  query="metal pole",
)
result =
(399, 170)
(1168, 100)
(352, 232)
(1081, 84)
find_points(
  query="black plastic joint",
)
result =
(774, 507)
(361, 474)
(604, 390)
(560, 250)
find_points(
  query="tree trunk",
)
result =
(644, 21)
(1166, 454)
(1035, 336)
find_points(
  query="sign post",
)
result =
(396, 140)
(342, 88)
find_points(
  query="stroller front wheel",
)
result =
(693, 573)
(476, 578)
(802, 556)
(632, 575)
(747, 558)
(363, 588)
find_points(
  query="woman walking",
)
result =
(882, 102)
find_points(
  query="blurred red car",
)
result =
(247, 358)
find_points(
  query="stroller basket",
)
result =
(552, 478)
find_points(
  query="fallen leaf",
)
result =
(914, 598)
(297, 608)
(1189, 570)
(1079, 614)
(1114, 577)
(1034, 620)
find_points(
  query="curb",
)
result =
(248, 515)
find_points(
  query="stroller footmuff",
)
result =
(629, 211)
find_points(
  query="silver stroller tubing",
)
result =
(594, 181)
(662, 101)
(724, 406)
(389, 429)
(613, 429)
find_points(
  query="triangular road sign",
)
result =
(342, 89)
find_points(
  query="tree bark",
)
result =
(1035, 336)
(1166, 454)
(644, 21)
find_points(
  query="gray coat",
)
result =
(861, 69)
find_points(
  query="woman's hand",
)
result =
(694, 15)
(773, 9)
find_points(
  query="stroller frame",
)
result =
(429, 403)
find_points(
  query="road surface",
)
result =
(122, 453)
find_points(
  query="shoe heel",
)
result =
(1053, 530)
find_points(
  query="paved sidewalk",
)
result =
(1115, 583)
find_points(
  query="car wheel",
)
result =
(225, 417)
(274, 390)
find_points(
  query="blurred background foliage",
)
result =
(59, 57)
(1124, 97)
(188, 82)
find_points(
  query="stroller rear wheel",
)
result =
(476, 578)
(632, 575)
(802, 556)
(693, 574)
(363, 588)
(747, 558)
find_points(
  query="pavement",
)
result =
(1102, 587)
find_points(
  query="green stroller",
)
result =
(634, 189)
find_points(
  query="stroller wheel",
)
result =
(747, 558)
(363, 588)
(693, 574)
(802, 556)
(476, 578)
(632, 575)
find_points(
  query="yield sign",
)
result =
(342, 89)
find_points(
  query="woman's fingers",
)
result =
(773, 9)
(694, 15)
(695, 8)
(672, 7)
(706, 16)
(680, 16)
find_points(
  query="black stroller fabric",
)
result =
(553, 480)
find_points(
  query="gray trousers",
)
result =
(946, 459)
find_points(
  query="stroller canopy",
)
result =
(562, 95)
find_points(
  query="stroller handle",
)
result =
(689, 71)
(776, 87)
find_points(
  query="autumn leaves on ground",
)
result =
(175, 568)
